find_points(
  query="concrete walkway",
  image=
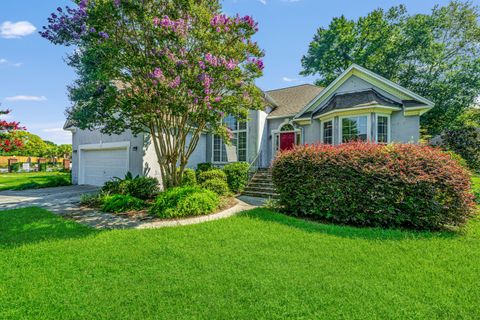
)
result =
(65, 201)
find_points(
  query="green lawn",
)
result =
(476, 182)
(32, 180)
(256, 265)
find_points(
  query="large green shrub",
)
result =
(401, 185)
(211, 174)
(121, 203)
(466, 142)
(237, 175)
(184, 201)
(216, 185)
(189, 177)
(139, 187)
(205, 166)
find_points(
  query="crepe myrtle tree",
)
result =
(9, 143)
(169, 68)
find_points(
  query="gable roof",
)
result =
(364, 98)
(289, 101)
(402, 93)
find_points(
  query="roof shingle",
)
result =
(290, 101)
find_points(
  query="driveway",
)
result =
(64, 201)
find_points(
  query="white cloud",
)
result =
(26, 98)
(57, 135)
(18, 64)
(11, 30)
(263, 1)
(287, 79)
(3, 61)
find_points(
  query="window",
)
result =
(355, 128)
(287, 127)
(239, 140)
(328, 132)
(382, 129)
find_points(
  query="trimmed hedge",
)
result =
(184, 201)
(399, 185)
(216, 185)
(237, 175)
(189, 177)
(204, 166)
(211, 174)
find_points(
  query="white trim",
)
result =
(343, 77)
(389, 129)
(277, 131)
(376, 106)
(280, 117)
(101, 146)
(369, 126)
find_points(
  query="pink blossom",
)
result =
(158, 74)
(175, 83)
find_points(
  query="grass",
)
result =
(476, 182)
(33, 180)
(257, 265)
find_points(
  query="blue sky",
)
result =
(34, 77)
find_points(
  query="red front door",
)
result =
(287, 140)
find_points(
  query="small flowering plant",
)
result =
(172, 69)
(7, 142)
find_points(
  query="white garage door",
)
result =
(98, 166)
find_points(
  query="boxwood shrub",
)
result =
(237, 175)
(398, 185)
(216, 185)
(189, 177)
(184, 201)
(211, 174)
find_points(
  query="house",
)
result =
(359, 104)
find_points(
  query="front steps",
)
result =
(261, 185)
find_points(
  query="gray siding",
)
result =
(405, 129)
(354, 83)
(82, 137)
(142, 161)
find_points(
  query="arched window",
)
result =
(287, 127)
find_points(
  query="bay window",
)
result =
(354, 128)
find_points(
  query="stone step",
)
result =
(256, 184)
(262, 181)
(262, 176)
(259, 194)
(259, 189)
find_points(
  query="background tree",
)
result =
(32, 145)
(435, 55)
(169, 68)
(7, 142)
(64, 151)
